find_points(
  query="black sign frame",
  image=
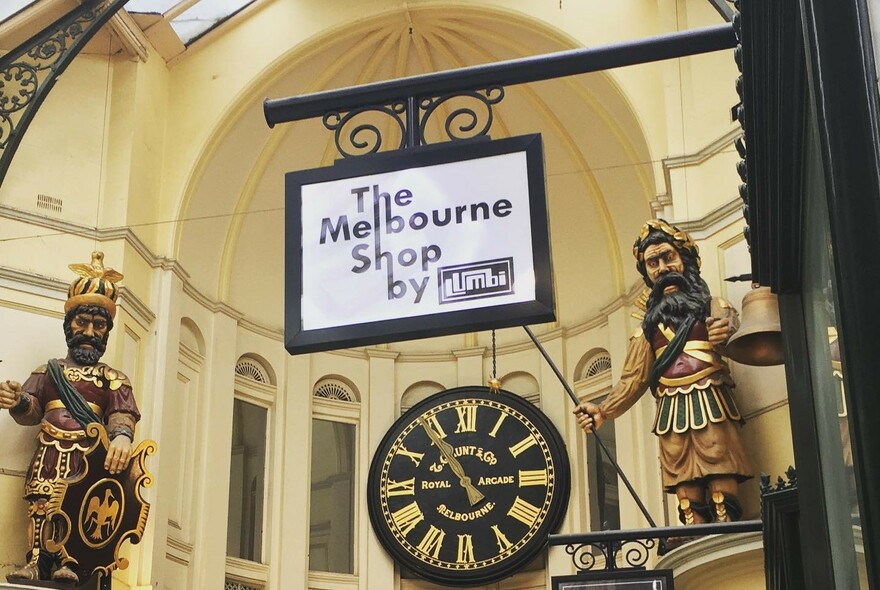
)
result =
(625, 579)
(539, 310)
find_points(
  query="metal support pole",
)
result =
(599, 442)
(29, 72)
(504, 73)
(412, 121)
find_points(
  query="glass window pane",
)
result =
(204, 16)
(827, 374)
(244, 537)
(331, 526)
(9, 8)
(151, 6)
(602, 478)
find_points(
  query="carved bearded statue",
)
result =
(63, 397)
(676, 353)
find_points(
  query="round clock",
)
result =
(466, 486)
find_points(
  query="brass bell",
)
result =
(759, 338)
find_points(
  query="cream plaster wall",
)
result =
(128, 145)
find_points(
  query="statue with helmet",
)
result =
(83, 486)
(676, 352)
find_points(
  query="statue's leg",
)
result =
(66, 569)
(692, 507)
(37, 562)
(722, 492)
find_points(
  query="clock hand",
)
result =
(474, 495)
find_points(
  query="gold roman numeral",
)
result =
(407, 518)
(435, 426)
(537, 477)
(406, 487)
(465, 549)
(503, 543)
(498, 424)
(467, 419)
(432, 541)
(522, 445)
(414, 457)
(523, 511)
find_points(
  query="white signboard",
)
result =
(417, 243)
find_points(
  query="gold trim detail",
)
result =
(57, 404)
(59, 434)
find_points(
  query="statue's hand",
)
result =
(10, 394)
(589, 416)
(719, 330)
(118, 455)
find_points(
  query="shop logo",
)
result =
(476, 280)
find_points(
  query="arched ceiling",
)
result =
(599, 176)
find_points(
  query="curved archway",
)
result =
(599, 175)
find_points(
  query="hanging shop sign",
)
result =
(431, 241)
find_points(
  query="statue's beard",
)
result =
(692, 299)
(84, 355)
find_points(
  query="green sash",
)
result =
(70, 397)
(671, 352)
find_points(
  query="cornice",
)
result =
(714, 221)
(136, 308)
(426, 357)
(38, 284)
(265, 331)
(463, 353)
(713, 148)
(382, 353)
(195, 358)
(717, 145)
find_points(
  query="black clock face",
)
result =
(466, 486)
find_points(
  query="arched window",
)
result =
(593, 382)
(334, 389)
(252, 405)
(335, 415)
(417, 392)
(595, 362)
(524, 385)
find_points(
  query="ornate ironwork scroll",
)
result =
(463, 122)
(28, 72)
(358, 132)
(631, 549)
(634, 554)
(365, 138)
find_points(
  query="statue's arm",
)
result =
(121, 423)
(632, 385)
(24, 406)
(122, 416)
(633, 379)
(722, 324)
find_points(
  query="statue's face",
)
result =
(91, 328)
(661, 259)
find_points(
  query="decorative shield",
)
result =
(96, 512)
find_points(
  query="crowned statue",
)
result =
(83, 486)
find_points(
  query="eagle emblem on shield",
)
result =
(96, 512)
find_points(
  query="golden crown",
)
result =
(95, 285)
